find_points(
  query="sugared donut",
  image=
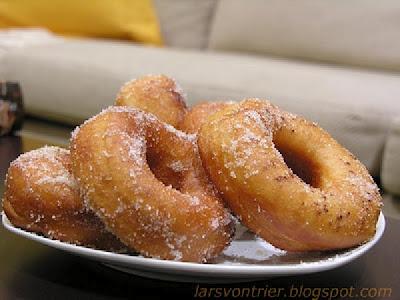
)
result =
(145, 180)
(42, 196)
(157, 94)
(198, 114)
(287, 179)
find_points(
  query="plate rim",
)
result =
(213, 270)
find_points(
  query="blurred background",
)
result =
(334, 62)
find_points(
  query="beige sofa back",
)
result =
(364, 33)
(185, 23)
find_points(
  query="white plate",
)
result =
(247, 258)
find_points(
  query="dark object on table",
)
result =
(11, 107)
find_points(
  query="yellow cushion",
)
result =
(120, 19)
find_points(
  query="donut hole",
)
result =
(299, 163)
(162, 172)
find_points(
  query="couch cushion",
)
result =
(357, 32)
(391, 160)
(185, 23)
(74, 79)
(391, 206)
(13, 39)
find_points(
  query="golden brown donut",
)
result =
(157, 94)
(198, 114)
(287, 179)
(114, 156)
(42, 196)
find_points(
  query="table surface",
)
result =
(30, 270)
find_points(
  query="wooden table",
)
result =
(32, 271)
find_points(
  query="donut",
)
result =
(146, 182)
(42, 196)
(198, 114)
(157, 94)
(287, 179)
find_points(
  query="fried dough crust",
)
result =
(157, 94)
(287, 179)
(145, 180)
(42, 196)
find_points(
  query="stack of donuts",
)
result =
(155, 177)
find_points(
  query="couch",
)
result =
(336, 63)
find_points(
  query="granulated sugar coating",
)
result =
(157, 94)
(198, 115)
(145, 180)
(42, 196)
(287, 179)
